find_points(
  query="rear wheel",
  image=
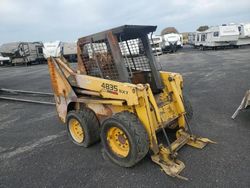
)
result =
(124, 139)
(83, 127)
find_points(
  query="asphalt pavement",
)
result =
(35, 150)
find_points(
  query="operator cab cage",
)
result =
(121, 54)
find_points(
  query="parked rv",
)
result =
(217, 36)
(191, 38)
(52, 49)
(244, 34)
(70, 51)
(23, 52)
(156, 44)
(172, 42)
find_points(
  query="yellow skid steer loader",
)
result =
(118, 95)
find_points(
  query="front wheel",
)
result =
(124, 139)
(83, 127)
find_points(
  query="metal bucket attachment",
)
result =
(171, 167)
(166, 157)
(243, 105)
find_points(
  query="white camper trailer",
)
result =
(191, 38)
(171, 42)
(217, 36)
(70, 51)
(23, 52)
(52, 49)
(244, 34)
(156, 44)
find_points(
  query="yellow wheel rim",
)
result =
(118, 142)
(76, 130)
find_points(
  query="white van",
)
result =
(4, 60)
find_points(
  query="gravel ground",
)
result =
(36, 152)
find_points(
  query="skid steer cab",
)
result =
(117, 94)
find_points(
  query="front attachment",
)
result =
(166, 157)
(168, 163)
(243, 105)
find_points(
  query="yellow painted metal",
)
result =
(107, 97)
(118, 142)
(144, 114)
(62, 89)
(60, 84)
(76, 130)
(153, 102)
(108, 88)
(193, 141)
(170, 166)
(100, 101)
(168, 161)
(174, 83)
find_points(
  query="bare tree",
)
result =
(202, 28)
(169, 30)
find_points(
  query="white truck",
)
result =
(244, 34)
(52, 49)
(217, 36)
(4, 60)
(171, 42)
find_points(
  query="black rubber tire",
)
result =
(136, 134)
(89, 124)
(188, 108)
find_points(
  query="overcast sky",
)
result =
(67, 20)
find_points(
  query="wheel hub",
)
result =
(76, 130)
(118, 141)
(121, 139)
